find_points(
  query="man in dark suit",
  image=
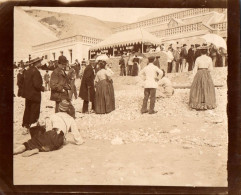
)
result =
(32, 87)
(59, 83)
(62, 59)
(87, 91)
(190, 58)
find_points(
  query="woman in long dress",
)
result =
(202, 93)
(105, 98)
(136, 66)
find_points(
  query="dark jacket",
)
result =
(32, 84)
(59, 85)
(20, 84)
(183, 53)
(87, 82)
(136, 60)
(197, 53)
(190, 56)
(122, 63)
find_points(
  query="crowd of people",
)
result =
(179, 59)
(97, 88)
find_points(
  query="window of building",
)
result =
(46, 57)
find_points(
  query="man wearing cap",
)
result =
(59, 83)
(149, 75)
(71, 77)
(87, 91)
(32, 87)
(183, 56)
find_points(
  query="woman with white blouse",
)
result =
(104, 96)
(202, 93)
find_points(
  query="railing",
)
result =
(73, 39)
(166, 18)
(220, 26)
(178, 30)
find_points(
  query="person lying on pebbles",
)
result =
(45, 141)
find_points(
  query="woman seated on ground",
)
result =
(104, 96)
(45, 141)
(165, 89)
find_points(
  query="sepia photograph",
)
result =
(120, 96)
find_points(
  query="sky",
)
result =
(127, 15)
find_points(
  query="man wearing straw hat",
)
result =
(32, 87)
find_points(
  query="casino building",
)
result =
(183, 26)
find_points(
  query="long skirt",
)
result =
(45, 141)
(105, 98)
(202, 93)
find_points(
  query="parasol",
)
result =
(139, 54)
(215, 39)
(103, 57)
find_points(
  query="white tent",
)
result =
(125, 38)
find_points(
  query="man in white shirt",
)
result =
(150, 75)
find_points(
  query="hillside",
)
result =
(28, 32)
(66, 25)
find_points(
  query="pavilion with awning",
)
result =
(136, 39)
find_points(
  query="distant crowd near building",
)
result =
(179, 28)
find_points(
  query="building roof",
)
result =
(162, 12)
(128, 37)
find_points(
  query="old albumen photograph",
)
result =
(120, 96)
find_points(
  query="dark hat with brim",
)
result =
(197, 45)
(184, 45)
(151, 58)
(33, 61)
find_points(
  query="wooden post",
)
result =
(141, 47)
(113, 52)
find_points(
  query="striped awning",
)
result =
(129, 37)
